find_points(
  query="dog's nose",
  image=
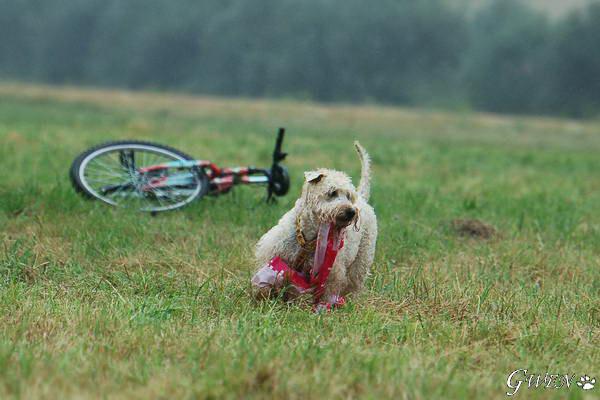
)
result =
(349, 214)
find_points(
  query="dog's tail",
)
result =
(364, 187)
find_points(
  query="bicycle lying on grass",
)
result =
(152, 177)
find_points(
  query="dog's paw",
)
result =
(586, 383)
(334, 302)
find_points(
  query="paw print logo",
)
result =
(586, 383)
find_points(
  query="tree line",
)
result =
(504, 57)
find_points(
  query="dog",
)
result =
(328, 197)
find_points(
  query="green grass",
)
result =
(97, 302)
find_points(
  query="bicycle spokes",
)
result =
(141, 178)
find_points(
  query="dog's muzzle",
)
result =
(345, 217)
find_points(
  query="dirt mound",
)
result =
(473, 228)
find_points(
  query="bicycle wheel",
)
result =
(117, 173)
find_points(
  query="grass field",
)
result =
(97, 302)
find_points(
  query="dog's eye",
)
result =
(333, 194)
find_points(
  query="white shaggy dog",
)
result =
(328, 197)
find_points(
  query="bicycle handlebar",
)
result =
(277, 154)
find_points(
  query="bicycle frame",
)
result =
(181, 176)
(220, 179)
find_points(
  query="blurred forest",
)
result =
(503, 56)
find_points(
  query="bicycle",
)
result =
(154, 178)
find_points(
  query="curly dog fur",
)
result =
(328, 196)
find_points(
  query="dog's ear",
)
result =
(313, 176)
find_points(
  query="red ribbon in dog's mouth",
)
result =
(329, 241)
